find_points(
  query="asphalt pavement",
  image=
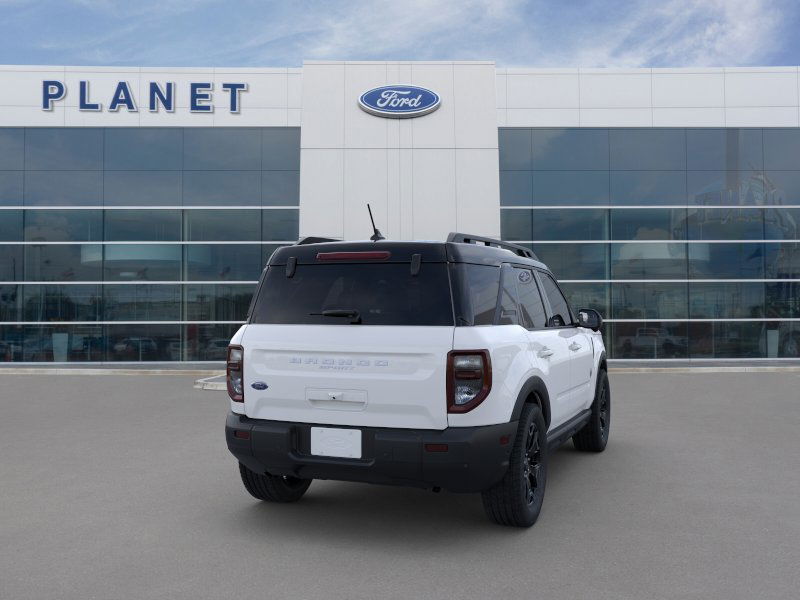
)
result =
(115, 486)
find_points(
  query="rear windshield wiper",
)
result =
(346, 313)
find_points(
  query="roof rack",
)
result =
(315, 240)
(466, 238)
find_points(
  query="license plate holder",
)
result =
(336, 442)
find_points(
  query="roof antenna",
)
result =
(377, 235)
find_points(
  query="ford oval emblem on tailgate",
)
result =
(259, 385)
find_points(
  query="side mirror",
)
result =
(590, 318)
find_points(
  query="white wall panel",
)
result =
(761, 116)
(616, 117)
(615, 90)
(323, 105)
(437, 129)
(543, 90)
(362, 130)
(322, 196)
(474, 103)
(692, 90)
(365, 181)
(433, 211)
(476, 181)
(760, 89)
(542, 117)
(689, 117)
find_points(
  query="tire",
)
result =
(517, 499)
(593, 437)
(273, 488)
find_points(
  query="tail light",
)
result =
(235, 373)
(469, 379)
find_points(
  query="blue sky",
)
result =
(586, 33)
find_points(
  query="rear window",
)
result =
(382, 294)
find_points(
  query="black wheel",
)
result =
(593, 437)
(517, 499)
(273, 488)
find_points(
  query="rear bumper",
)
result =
(476, 457)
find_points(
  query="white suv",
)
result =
(455, 365)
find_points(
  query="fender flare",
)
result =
(601, 363)
(537, 386)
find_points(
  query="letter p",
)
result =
(51, 91)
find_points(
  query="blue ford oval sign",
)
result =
(399, 101)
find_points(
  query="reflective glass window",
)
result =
(10, 307)
(235, 262)
(62, 343)
(507, 300)
(782, 299)
(143, 148)
(648, 187)
(782, 148)
(726, 300)
(648, 261)
(221, 188)
(221, 148)
(11, 264)
(143, 188)
(781, 223)
(280, 224)
(562, 188)
(648, 149)
(12, 148)
(575, 261)
(558, 224)
(724, 149)
(530, 300)
(209, 302)
(63, 225)
(650, 339)
(10, 226)
(142, 225)
(726, 224)
(515, 149)
(648, 224)
(726, 261)
(559, 308)
(63, 148)
(638, 300)
(570, 149)
(62, 303)
(588, 295)
(63, 262)
(280, 188)
(280, 148)
(783, 340)
(64, 188)
(727, 340)
(142, 302)
(782, 260)
(153, 262)
(143, 342)
(11, 190)
(222, 225)
(782, 187)
(516, 188)
(475, 293)
(208, 342)
(11, 339)
(516, 225)
(730, 188)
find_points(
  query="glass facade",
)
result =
(685, 240)
(138, 244)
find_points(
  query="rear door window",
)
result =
(381, 294)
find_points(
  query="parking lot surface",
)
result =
(122, 487)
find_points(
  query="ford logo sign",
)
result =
(259, 385)
(399, 101)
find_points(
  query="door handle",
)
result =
(545, 352)
(574, 346)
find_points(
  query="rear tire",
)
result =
(593, 437)
(517, 499)
(273, 488)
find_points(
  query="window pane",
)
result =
(530, 300)
(727, 340)
(559, 309)
(143, 148)
(218, 302)
(648, 224)
(222, 225)
(142, 188)
(154, 262)
(556, 188)
(478, 286)
(782, 148)
(729, 188)
(68, 262)
(783, 187)
(516, 188)
(781, 223)
(726, 300)
(575, 261)
(281, 148)
(12, 145)
(508, 298)
(63, 225)
(648, 149)
(783, 299)
(726, 261)
(208, 342)
(63, 343)
(782, 261)
(235, 262)
(142, 225)
(64, 188)
(63, 148)
(62, 303)
(649, 300)
(11, 188)
(222, 148)
(10, 309)
(651, 339)
(10, 226)
(721, 149)
(648, 187)
(221, 188)
(11, 340)
(280, 224)
(143, 342)
(515, 149)
(648, 261)
(516, 224)
(726, 224)
(142, 302)
(783, 341)
(587, 295)
(11, 263)
(570, 149)
(280, 188)
(580, 224)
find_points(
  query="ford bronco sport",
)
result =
(455, 365)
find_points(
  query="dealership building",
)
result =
(138, 206)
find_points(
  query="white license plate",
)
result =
(341, 443)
